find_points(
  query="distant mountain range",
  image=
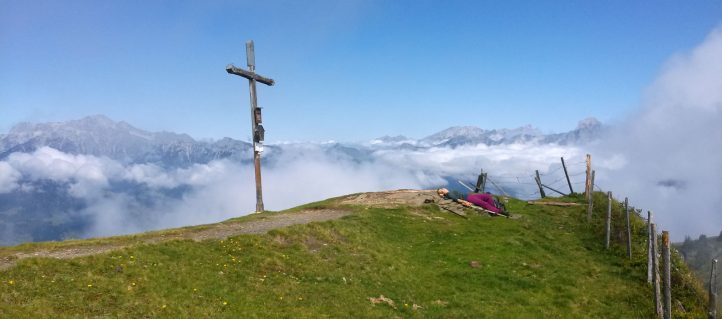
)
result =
(100, 136)
(587, 131)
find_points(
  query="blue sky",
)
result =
(345, 70)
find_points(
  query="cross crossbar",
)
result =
(249, 75)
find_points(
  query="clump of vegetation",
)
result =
(374, 263)
(699, 253)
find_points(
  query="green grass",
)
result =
(548, 264)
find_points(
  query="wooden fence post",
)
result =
(591, 202)
(649, 246)
(712, 313)
(667, 275)
(539, 183)
(589, 176)
(609, 218)
(655, 275)
(483, 184)
(479, 183)
(629, 229)
(571, 191)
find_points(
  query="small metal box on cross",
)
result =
(257, 130)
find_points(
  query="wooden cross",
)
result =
(256, 126)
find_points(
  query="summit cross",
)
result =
(257, 130)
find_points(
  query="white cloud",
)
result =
(691, 80)
(87, 174)
(151, 175)
(50, 163)
(515, 159)
(113, 214)
(8, 178)
(667, 157)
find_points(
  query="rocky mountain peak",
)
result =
(589, 124)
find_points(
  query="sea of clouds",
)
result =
(223, 189)
(666, 157)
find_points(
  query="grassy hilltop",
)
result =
(380, 260)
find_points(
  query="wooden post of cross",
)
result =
(257, 129)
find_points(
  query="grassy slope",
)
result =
(547, 264)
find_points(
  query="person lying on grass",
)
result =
(485, 201)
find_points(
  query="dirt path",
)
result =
(216, 231)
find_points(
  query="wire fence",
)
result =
(525, 186)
